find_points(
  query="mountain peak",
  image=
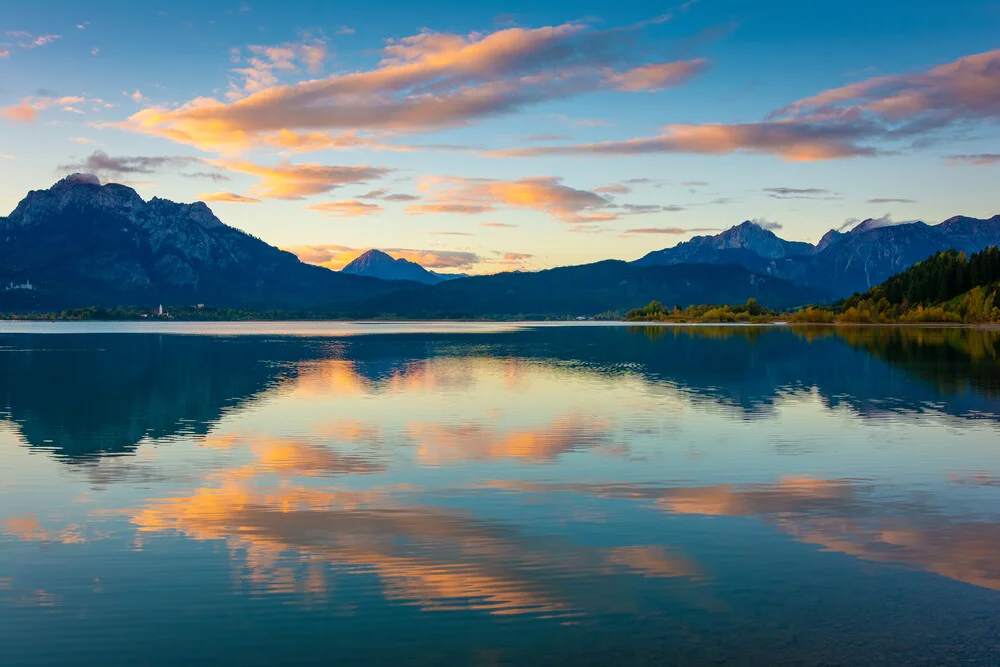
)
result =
(378, 264)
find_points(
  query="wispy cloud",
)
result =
(297, 181)
(347, 208)
(26, 40)
(545, 193)
(887, 200)
(800, 193)
(102, 164)
(230, 197)
(978, 159)
(669, 230)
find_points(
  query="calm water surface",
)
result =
(472, 494)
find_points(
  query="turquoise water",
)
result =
(309, 493)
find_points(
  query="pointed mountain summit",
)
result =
(377, 264)
(80, 243)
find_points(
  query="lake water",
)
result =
(430, 494)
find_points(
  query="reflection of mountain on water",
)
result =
(86, 395)
(871, 370)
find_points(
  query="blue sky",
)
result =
(488, 136)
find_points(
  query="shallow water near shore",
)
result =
(478, 493)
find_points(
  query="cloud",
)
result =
(694, 184)
(264, 63)
(452, 234)
(230, 197)
(426, 81)
(348, 208)
(498, 225)
(885, 200)
(385, 195)
(548, 137)
(211, 175)
(296, 181)
(7, 156)
(968, 88)
(516, 256)
(793, 140)
(839, 123)
(82, 26)
(22, 112)
(616, 189)
(546, 194)
(135, 96)
(82, 140)
(4, 53)
(27, 110)
(766, 224)
(654, 77)
(978, 159)
(669, 230)
(800, 193)
(26, 40)
(100, 162)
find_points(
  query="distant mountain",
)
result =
(746, 236)
(377, 264)
(842, 262)
(587, 290)
(80, 243)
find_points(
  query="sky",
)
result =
(492, 136)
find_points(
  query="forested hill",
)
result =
(939, 278)
(949, 286)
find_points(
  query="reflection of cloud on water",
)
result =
(438, 443)
(842, 515)
(28, 528)
(290, 537)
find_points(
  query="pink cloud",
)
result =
(348, 208)
(230, 197)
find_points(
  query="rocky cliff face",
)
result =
(81, 243)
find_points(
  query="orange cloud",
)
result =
(296, 181)
(546, 194)
(657, 76)
(424, 82)
(22, 112)
(28, 108)
(347, 208)
(230, 197)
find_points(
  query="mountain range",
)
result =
(842, 262)
(80, 243)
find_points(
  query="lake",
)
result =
(428, 493)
